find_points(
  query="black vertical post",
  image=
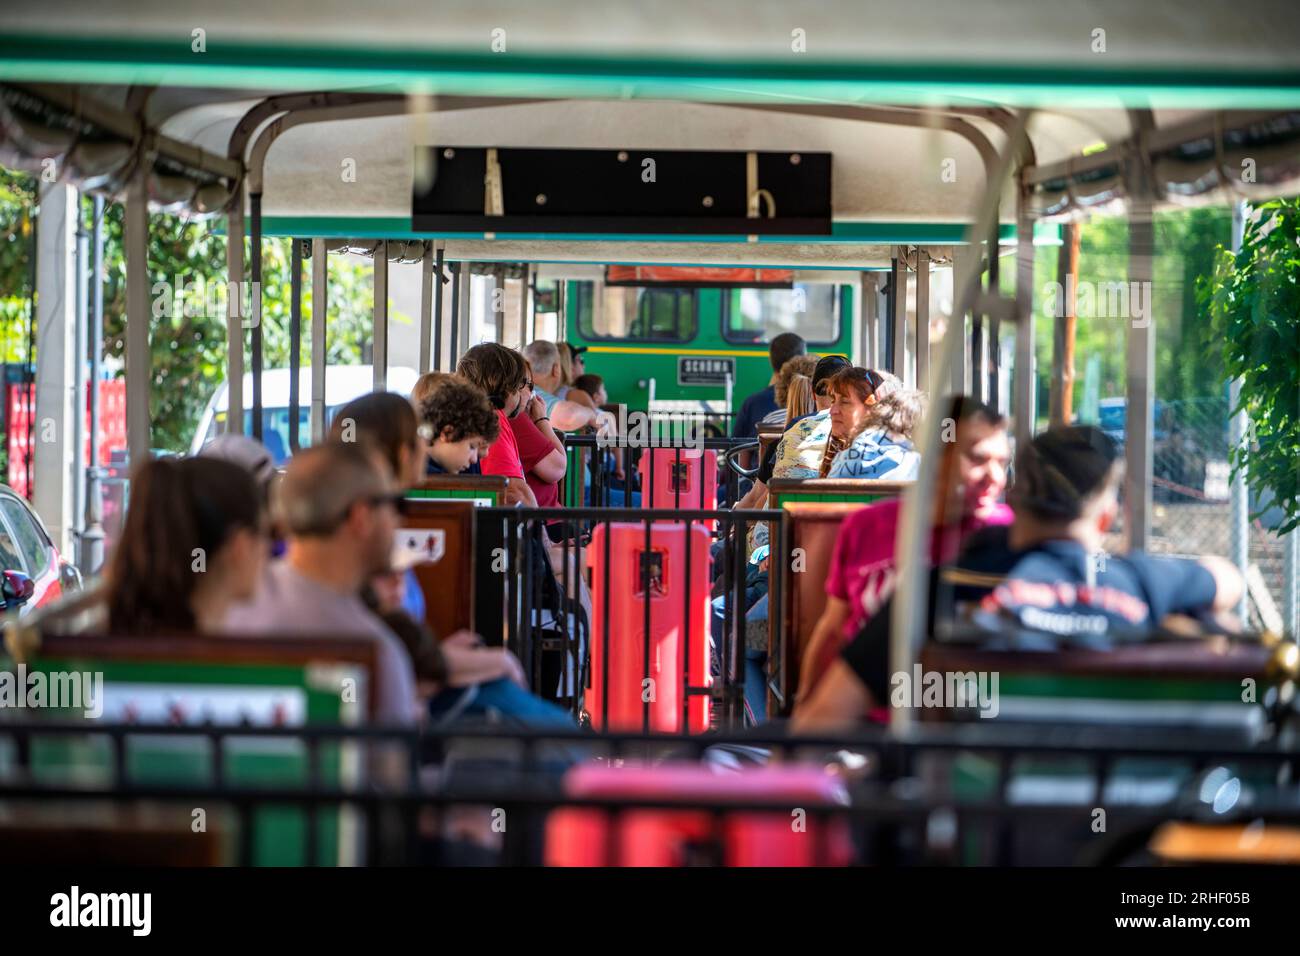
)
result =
(438, 280)
(255, 209)
(295, 337)
(995, 325)
(455, 311)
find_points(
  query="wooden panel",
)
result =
(768, 435)
(448, 584)
(1192, 659)
(812, 527)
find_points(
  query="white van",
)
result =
(343, 383)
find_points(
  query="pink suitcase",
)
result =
(679, 479)
(658, 837)
(622, 651)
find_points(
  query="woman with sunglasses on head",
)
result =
(825, 369)
(882, 416)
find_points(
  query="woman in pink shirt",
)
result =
(862, 570)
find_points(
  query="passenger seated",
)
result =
(502, 375)
(1042, 582)
(880, 446)
(569, 411)
(425, 385)
(339, 506)
(472, 677)
(459, 424)
(194, 543)
(827, 366)
(593, 385)
(798, 369)
(784, 347)
(972, 478)
(541, 451)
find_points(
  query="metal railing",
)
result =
(593, 480)
(551, 628)
(903, 802)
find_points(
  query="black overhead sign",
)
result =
(638, 192)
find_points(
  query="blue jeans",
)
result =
(755, 680)
(498, 698)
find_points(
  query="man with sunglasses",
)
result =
(340, 506)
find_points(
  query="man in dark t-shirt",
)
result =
(763, 402)
(1043, 583)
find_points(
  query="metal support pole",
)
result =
(1141, 379)
(295, 340)
(437, 305)
(1290, 582)
(908, 620)
(139, 371)
(379, 351)
(1024, 383)
(454, 357)
(923, 321)
(79, 387)
(52, 477)
(92, 550)
(255, 303)
(869, 293)
(959, 373)
(426, 306)
(993, 349)
(1061, 401)
(1238, 433)
(235, 316)
(528, 307)
(898, 315)
(320, 273)
(497, 303)
(465, 315)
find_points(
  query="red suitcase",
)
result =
(680, 478)
(617, 592)
(658, 837)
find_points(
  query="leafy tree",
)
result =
(187, 346)
(1253, 299)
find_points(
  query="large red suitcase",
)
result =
(634, 693)
(659, 837)
(681, 478)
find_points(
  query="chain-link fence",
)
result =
(1191, 513)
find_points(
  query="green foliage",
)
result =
(1186, 241)
(1253, 299)
(188, 347)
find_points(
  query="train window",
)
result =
(637, 314)
(753, 316)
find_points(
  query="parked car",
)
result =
(32, 572)
(1112, 416)
(343, 383)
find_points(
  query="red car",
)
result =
(27, 551)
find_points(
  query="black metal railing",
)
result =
(898, 807)
(689, 587)
(608, 472)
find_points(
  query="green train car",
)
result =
(696, 347)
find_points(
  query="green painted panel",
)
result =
(279, 834)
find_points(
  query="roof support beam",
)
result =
(139, 372)
(908, 624)
(320, 290)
